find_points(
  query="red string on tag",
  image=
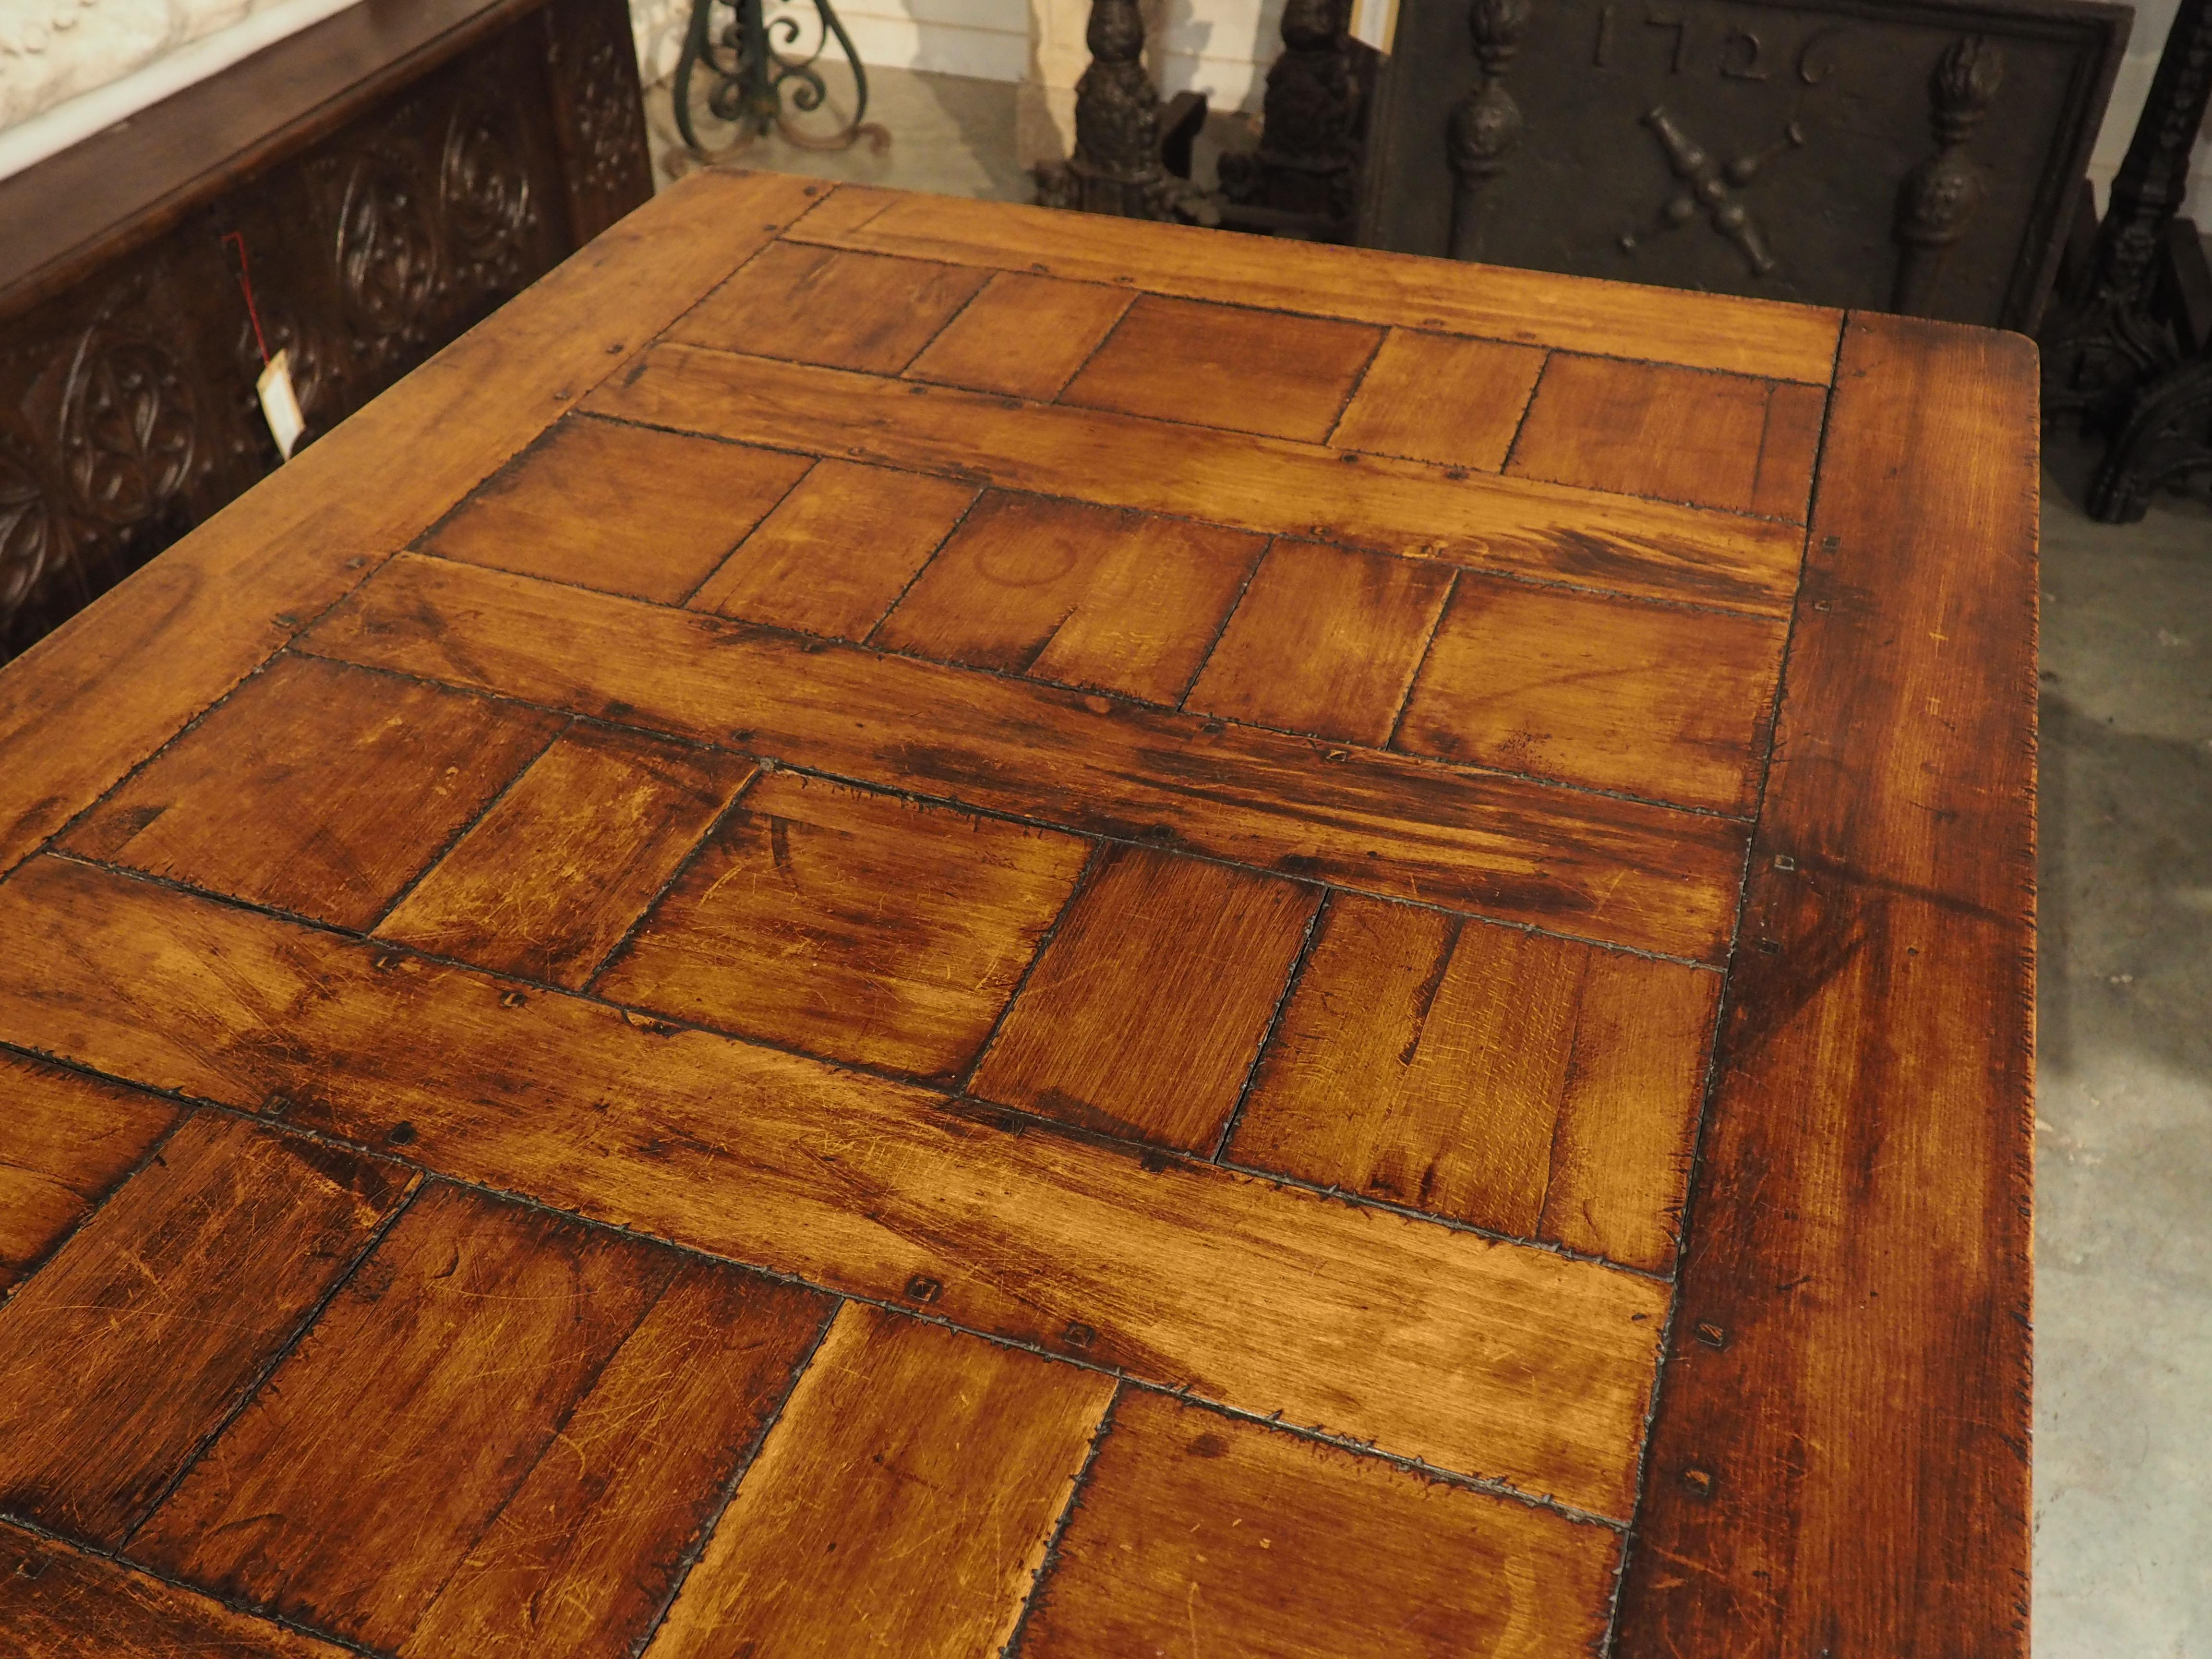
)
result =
(246, 287)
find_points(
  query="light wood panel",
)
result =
(1085, 596)
(1147, 1010)
(850, 310)
(144, 1332)
(65, 1142)
(1271, 485)
(851, 923)
(1482, 1358)
(1199, 1535)
(1434, 397)
(1613, 870)
(1023, 336)
(901, 1505)
(1703, 330)
(317, 788)
(547, 882)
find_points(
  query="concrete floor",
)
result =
(2124, 1201)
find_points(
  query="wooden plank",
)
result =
(1271, 485)
(1147, 1008)
(1085, 596)
(901, 1507)
(839, 551)
(1200, 1534)
(547, 882)
(98, 694)
(1325, 641)
(57, 1602)
(1600, 868)
(817, 306)
(1226, 366)
(316, 788)
(567, 508)
(1674, 434)
(1670, 705)
(1022, 336)
(1482, 1358)
(1704, 331)
(1533, 1086)
(851, 923)
(140, 1336)
(65, 1142)
(487, 1396)
(1432, 397)
(1841, 1455)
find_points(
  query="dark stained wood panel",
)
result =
(839, 550)
(548, 881)
(1199, 1535)
(1435, 398)
(1530, 1085)
(1613, 870)
(900, 1506)
(851, 923)
(1841, 1454)
(1272, 485)
(817, 306)
(562, 509)
(1082, 595)
(317, 788)
(1324, 641)
(60, 1603)
(488, 1355)
(1481, 1357)
(1749, 337)
(1668, 704)
(1676, 434)
(1252, 371)
(1022, 336)
(106, 690)
(1147, 1010)
(65, 1142)
(146, 1329)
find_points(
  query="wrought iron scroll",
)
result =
(753, 74)
(1939, 196)
(1486, 126)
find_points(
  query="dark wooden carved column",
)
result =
(1486, 125)
(1303, 178)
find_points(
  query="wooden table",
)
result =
(896, 923)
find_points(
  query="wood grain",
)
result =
(1022, 336)
(316, 788)
(1434, 397)
(564, 508)
(1147, 1008)
(65, 1142)
(1271, 485)
(1530, 1085)
(490, 1410)
(1226, 366)
(1673, 433)
(851, 923)
(900, 1506)
(549, 879)
(1482, 1358)
(1704, 331)
(1670, 705)
(140, 1335)
(1200, 1534)
(98, 694)
(815, 306)
(56, 1603)
(839, 551)
(1325, 641)
(1841, 1455)
(1599, 867)
(1085, 596)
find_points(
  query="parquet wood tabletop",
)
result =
(902, 927)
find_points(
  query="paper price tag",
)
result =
(280, 404)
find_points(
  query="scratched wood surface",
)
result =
(905, 926)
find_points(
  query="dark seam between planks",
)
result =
(36, 1265)
(1050, 1560)
(1251, 1077)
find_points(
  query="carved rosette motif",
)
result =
(387, 247)
(1486, 128)
(1939, 196)
(129, 426)
(30, 534)
(608, 122)
(483, 195)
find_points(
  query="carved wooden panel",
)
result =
(1898, 155)
(127, 408)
